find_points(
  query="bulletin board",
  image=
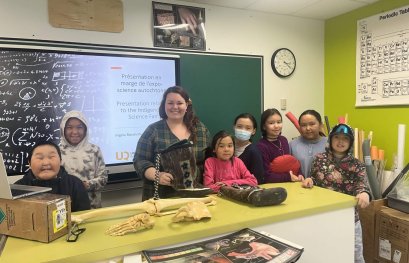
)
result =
(382, 65)
(101, 15)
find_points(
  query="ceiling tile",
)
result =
(241, 4)
(328, 8)
(315, 9)
(280, 6)
(367, 1)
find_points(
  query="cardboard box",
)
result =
(392, 235)
(43, 217)
(367, 217)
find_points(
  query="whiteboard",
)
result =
(382, 70)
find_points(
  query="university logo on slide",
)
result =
(122, 155)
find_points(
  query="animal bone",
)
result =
(131, 225)
(151, 206)
(192, 211)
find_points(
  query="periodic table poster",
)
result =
(382, 66)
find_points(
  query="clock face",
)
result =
(283, 62)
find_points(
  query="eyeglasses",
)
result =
(74, 233)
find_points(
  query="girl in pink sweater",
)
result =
(223, 168)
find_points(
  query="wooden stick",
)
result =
(327, 124)
(356, 144)
(361, 139)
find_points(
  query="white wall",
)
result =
(228, 31)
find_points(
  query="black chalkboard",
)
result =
(32, 102)
(27, 116)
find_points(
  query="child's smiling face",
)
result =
(224, 148)
(45, 162)
(273, 126)
(74, 131)
(340, 143)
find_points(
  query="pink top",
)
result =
(228, 172)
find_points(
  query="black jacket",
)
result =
(64, 184)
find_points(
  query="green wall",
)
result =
(339, 91)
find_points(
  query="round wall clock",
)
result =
(283, 62)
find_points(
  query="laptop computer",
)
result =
(14, 191)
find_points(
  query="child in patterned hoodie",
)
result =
(82, 158)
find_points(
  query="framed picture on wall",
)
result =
(178, 26)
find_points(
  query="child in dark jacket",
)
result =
(46, 170)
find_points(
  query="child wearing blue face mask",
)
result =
(245, 126)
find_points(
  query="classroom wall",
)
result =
(228, 31)
(339, 99)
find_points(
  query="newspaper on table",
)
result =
(245, 245)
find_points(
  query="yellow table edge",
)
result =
(227, 216)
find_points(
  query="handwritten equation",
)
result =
(36, 90)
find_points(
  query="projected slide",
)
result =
(120, 96)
